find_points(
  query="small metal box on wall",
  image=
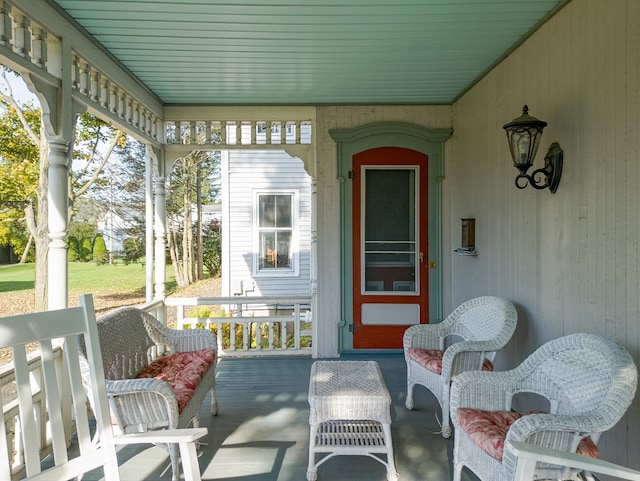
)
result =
(468, 238)
(468, 234)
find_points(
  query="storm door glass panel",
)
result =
(389, 231)
(275, 225)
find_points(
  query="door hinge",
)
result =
(352, 327)
(352, 174)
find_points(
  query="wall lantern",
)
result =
(524, 135)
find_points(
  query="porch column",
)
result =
(59, 112)
(58, 200)
(148, 224)
(159, 220)
(160, 231)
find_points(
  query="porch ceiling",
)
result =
(285, 52)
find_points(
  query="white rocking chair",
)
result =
(69, 460)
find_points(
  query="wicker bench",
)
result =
(147, 392)
(349, 414)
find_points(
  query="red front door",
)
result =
(390, 269)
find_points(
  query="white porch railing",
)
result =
(245, 326)
(250, 326)
(10, 408)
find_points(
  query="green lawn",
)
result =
(108, 277)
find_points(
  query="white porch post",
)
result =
(58, 200)
(159, 220)
(149, 215)
(160, 230)
(58, 119)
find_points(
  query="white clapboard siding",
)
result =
(248, 171)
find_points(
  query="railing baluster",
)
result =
(296, 326)
(250, 317)
(270, 327)
(10, 415)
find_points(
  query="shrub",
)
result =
(100, 255)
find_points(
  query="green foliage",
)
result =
(133, 248)
(73, 251)
(19, 173)
(86, 250)
(100, 254)
(212, 247)
(80, 241)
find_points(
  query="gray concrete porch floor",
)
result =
(261, 432)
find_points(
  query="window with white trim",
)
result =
(276, 224)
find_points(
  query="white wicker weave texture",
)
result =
(589, 382)
(475, 330)
(349, 414)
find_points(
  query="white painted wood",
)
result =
(328, 199)
(529, 454)
(390, 314)
(569, 261)
(42, 430)
(247, 173)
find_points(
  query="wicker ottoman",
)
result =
(349, 414)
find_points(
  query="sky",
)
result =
(20, 90)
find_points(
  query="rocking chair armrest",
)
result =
(185, 435)
(529, 454)
(184, 438)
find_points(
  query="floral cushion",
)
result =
(488, 429)
(431, 359)
(182, 370)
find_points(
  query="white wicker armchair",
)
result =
(589, 381)
(476, 330)
(128, 337)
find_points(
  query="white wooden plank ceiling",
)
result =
(308, 52)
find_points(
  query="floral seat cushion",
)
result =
(431, 359)
(488, 429)
(182, 370)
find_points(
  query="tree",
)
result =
(100, 255)
(94, 143)
(23, 140)
(80, 240)
(181, 197)
(212, 248)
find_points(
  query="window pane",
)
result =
(267, 255)
(283, 211)
(283, 253)
(275, 211)
(390, 248)
(267, 211)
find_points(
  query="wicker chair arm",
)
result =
(560, 432)
(531, 424)
(191, 340)
(425, 336)
(141, 404)
(491, 391)
(180, 340)
(466, 356)
(120, 387)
